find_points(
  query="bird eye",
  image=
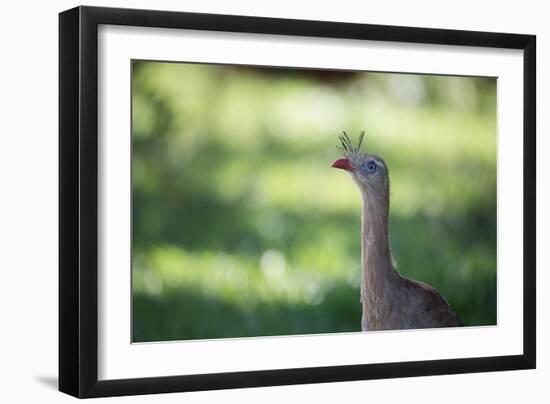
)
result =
(371, 167)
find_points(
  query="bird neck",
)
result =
(377, 264)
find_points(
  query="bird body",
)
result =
(390, 301)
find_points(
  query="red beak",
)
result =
(343, 164)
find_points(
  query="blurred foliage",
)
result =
(240, 226)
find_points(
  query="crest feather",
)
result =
(347, 147)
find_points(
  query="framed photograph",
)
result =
(251, 201)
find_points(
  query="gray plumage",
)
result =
(390, 301)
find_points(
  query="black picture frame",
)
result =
(78, 200)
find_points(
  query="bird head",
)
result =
(369, 172)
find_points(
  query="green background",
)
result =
(240, 226)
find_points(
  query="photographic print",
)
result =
(249, 201)
(285, 201)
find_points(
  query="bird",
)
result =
(390, 301)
